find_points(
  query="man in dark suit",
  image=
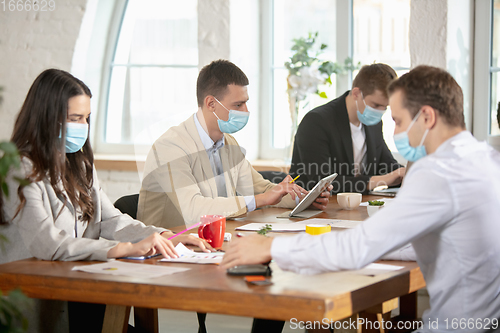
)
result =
(345, 136)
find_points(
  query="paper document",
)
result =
(299, 226)
(386, 200)
(189, 256)
(347, 224)
(305, 214)
(276, 227)
(377, 269)
(227, 236)
(138, 270)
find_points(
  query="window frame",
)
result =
(483, 27)
(344, 49)
(100, 144)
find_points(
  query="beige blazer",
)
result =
(179, 185)
(50, 229)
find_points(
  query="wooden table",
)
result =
(207, 288)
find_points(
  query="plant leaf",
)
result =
(322, 94)
(22, 181)
(8, 147)
(5, 189)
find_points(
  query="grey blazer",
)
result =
(43, 230)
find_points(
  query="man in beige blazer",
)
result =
(198, 168)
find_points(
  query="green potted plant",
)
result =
(306, 70)
(12, 319)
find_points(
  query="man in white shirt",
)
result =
(448, 209)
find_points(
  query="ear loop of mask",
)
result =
(221, 105)
(413, 122)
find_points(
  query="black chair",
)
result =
(273, 176)
(128, 205)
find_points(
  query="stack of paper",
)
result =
(189, 256)
(377, 269)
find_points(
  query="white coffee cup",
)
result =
(349, 201)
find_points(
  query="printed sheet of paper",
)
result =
(377, 269)
(115, 267)
(347, 224)
(189, 256)
(299, 226)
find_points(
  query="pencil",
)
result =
(293, 180)
(183, 231)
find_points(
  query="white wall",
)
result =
(441, 35)
(29, 43)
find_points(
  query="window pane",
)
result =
(495, 99)
(153, 76)
(495, 49)
(295, 19)
(495, 62)
(159, 32)
(142, 98)
(381, 32)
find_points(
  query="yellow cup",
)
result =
(318, 229)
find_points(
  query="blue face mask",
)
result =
(402, 142)
(236, 121)
(76, 136)
(370, 116)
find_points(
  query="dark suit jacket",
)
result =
(323, 145)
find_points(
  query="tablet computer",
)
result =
(311, 196)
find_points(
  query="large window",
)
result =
(294, 19)
(376, 30)
(495, 70)
(152, 77)
(380, 34)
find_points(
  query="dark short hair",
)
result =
(215, 77)
(374, 77)
(435, 87)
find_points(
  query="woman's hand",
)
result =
(191, 240)
(150, 245)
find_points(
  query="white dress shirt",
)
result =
(358, 147)
(449, 209)
(212, 149)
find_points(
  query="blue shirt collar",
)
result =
(208, 143)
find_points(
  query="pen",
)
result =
(183, 231)
(294, 179)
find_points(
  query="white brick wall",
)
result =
(29, 43)
(119, 183)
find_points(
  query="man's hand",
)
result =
(191, 240)
(255, 249)
(323, 198)
(390, 179)
(275, 195)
